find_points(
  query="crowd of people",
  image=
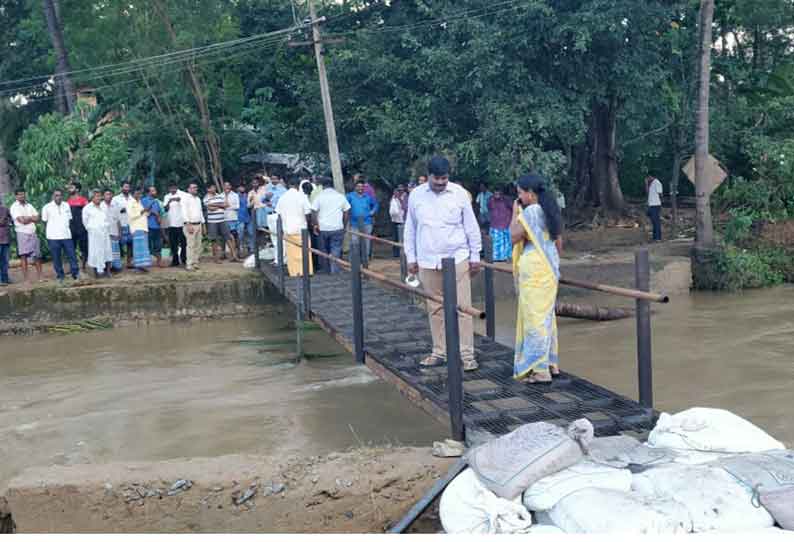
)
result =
(432, 217)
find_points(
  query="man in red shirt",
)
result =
(76, 203)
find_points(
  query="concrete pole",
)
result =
(330, 127)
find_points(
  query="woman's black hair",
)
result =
(546, 199)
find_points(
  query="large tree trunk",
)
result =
(591, 312)
(597, 161)
(62, 66)
(705, 231)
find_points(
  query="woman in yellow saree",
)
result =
(535, 232)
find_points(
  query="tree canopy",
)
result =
(595, 94)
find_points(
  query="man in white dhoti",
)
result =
(100, 251)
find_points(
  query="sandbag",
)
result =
(714, 500)
(599, 511)
(547, 492)
(511, 463)
(468, 507)
(612, 451)
(710, 430)
(770, 476)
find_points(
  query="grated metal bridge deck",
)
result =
(397, 336)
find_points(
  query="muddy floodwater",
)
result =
(202, 389)
(732, 351)
(214, 388)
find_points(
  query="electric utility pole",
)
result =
(330, 127)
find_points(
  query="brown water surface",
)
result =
(183, 390)
(732, 351)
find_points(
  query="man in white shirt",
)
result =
(230, 212)
(295, 211)
(331, 212)
(441, 224)
(125, 239)
(193, 214)
(654, 188)
(57, 215)
(25, 217)
(175, 222)
(114, 229)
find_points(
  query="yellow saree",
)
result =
(536, 273)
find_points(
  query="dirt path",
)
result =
(361, 491)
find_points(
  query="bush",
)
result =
(733, 268)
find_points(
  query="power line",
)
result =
(142, 78)
(158, 58)
(148, 64)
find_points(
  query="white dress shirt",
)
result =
(57, 218)
(293, 207)
(112, 217)
(18, 210)
(441, 226)
(330, 207)
(121, 201)
(655, 193)
(192, 210)
(233, 202)
(174, 214)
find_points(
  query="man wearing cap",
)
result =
(441, 224)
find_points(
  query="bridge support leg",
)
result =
(280, 256)
(306, 277)
(644, 360)
(490, 296)
(454, 365)
(358, 305)
(256, 239)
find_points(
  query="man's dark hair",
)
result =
(192, 184)
(57, 190)
(293, 182)
(19, 191)
(438, 166)
(325, 182)
(77, 186)
(125, 182)
(308, 188)
(106, 189)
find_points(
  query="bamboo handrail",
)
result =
(614, 290)
(471, 311)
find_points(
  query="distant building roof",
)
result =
(295, 163)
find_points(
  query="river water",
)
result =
(191, 390)
(227, 387)
(731, 351)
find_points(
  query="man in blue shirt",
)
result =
(363, 208)
(152, 204)
(245, 226)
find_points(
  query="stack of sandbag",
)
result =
(486, 499)
(694, 475)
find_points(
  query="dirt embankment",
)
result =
(362, 491)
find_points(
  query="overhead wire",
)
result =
(247, 45)
(152, 61)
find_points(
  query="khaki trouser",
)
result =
(433, 282)
(194, 247)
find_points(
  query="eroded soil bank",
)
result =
(359, 491)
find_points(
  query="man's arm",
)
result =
(409, 236)
(374, 205)
(473, 236)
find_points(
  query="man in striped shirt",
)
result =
(217, 228)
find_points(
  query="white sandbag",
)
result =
(710, 430)
(612, 451)
(714, 500)
(468, 507)
(770, 475)
(250, 262)
(600, 511)
(547, 492)
(511, 463)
